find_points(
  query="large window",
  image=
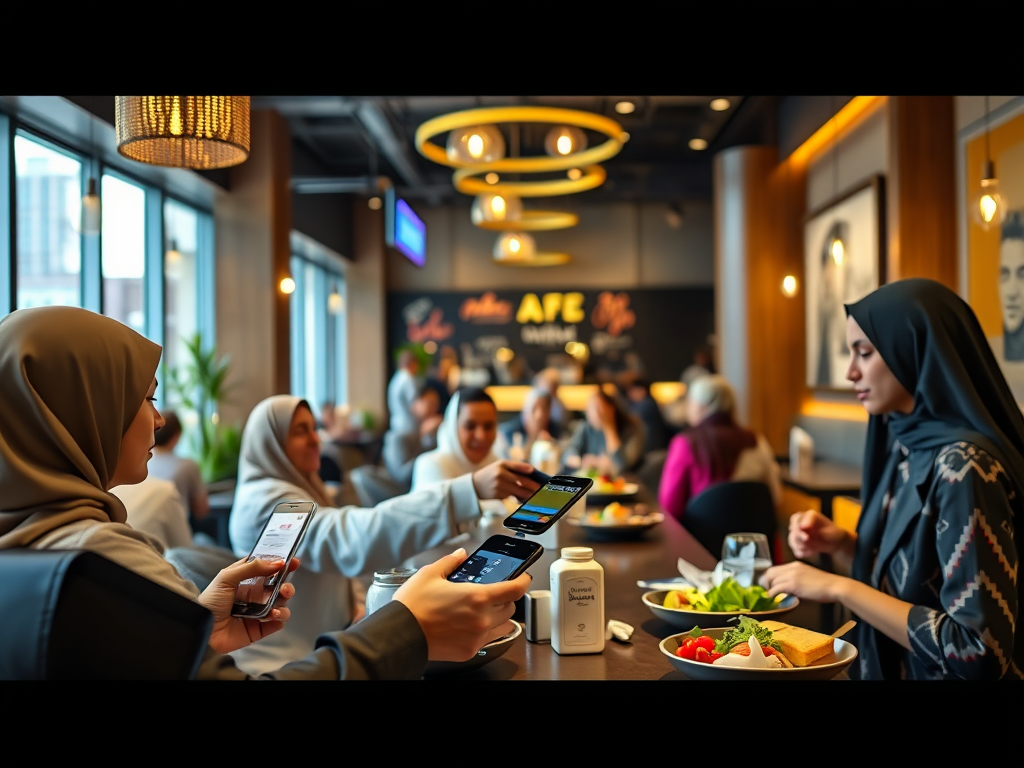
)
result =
(181, 280)
(124, 251)
(48, 202)
(318, 331)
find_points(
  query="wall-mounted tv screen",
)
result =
(404, 230)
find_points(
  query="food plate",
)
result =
(487, 654)
(600, 491)
(685, 619)
(615, 531)
(825, 668)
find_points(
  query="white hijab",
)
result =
(448, 460)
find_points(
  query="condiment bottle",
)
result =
(577, 602)
(384, 586)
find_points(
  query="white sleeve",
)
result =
(174, 520)
(355, 541)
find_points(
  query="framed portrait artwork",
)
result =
(992, 254)
(844, 256)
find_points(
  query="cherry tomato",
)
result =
(688, 650)
(702, 655)
(716, 655)
(705, 642)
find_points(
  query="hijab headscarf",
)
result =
(72, 383)
(934, 345)
(448, 460)
(263, 463)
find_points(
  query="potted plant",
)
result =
(200, 385)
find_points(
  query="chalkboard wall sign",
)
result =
(659, 329)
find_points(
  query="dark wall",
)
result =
(664, 327)
(326, 218)
(800, 116)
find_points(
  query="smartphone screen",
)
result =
(548, 504)
(278, 541)
(499, 558)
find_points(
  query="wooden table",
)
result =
(652, 557)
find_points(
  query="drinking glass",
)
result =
(746, 556)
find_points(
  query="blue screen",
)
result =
(410, 234)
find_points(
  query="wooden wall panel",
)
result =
(921, 189)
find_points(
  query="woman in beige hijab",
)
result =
(280, 459)
(78, 419)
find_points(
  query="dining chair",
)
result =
(75, 615)
(730, 507)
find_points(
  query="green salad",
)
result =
(727, 596)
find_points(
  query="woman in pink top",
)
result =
(715, 449)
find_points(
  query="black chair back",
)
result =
(75, 615)
(731, 507)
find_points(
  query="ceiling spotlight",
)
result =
(491, 178)
(698, 144)
(719, 105)
(374, 203)
(625, 107)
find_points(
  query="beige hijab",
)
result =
(71, 383)
(263, 462)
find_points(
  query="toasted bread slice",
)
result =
(801, 646)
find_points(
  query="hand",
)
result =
(231, 633)
(459, 619)
(802, 580)
(430, 424)
(811, 533)
(504, 478)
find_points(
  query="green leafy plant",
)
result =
(201, 385)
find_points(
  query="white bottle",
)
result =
(577, 602)
(517, 451)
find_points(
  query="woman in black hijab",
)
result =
(935, 556)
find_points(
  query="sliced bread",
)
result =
(801, 646)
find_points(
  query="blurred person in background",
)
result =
(401, 448)
(610, 439)
(180, 470)
(643, 404)
(532, 423)
(402, 389)
(714, 449)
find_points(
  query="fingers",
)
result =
(449, 563)
(508, 591)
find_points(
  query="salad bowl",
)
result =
(688, 619)
(842, 656)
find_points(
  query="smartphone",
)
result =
(278, 540)
(500, 558)
(548, 504)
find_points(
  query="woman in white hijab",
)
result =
(280, 459)
(78, 418)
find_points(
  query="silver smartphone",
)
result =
(279, 540)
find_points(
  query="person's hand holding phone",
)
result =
(458, 619)
(504, 478)
(231, 633)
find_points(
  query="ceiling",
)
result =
(342, 144)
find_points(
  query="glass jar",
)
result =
(384, 586)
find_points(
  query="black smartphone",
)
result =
(500, 558)
(278, 540)
(548, 504)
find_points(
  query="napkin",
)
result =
(702, 580)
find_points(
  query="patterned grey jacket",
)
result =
(948, 549)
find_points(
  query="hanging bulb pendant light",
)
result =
(836, 247)
(91, 212)
(988, 207)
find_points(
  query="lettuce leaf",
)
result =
(740, 634)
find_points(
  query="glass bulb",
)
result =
(91, 213)
(287, 285)
(789, 285)
(514, 246)
(493, 207)
(838, 251)
(475, 145)
(988, 206)
(564, 140)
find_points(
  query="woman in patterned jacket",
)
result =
(935, 556)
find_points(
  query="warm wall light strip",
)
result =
(845, 411)
(848, 116)
(510, 398)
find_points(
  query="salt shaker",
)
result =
(384, 586)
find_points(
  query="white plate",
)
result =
(842, 656)
(621, 530)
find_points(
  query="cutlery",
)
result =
(670, 583)
(845, 628)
